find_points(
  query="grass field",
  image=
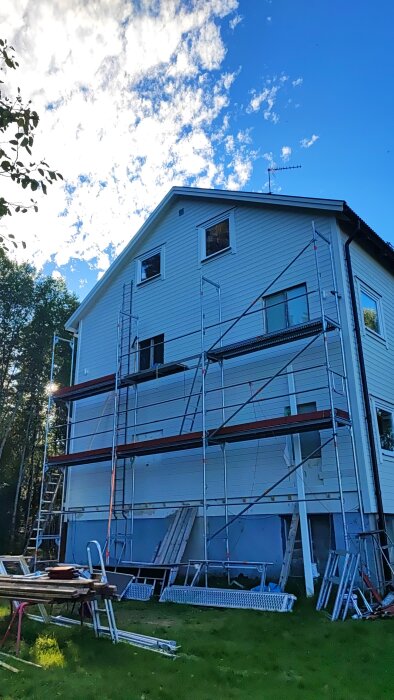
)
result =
(224, 654)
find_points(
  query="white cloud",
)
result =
(57, 275)
(234, 21)
(266, 97)
(297, 82)
(307, 143)
(285, 153)
(131, 100)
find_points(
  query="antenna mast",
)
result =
(274, 170)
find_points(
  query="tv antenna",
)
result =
(274, 170)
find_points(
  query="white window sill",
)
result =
(224, 251)
(150, 279)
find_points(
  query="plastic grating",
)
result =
(226, 598)
(138, 591)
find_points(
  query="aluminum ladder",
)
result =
(40, 537)
(341, 570)
(101, 630)
(291, 538)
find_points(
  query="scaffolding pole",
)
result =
(208, 435)
(302, 505)
(330, 389)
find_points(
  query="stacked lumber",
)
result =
(44, 589)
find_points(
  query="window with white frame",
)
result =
(217, 236)
(371, 310)
(286, 308)
(385, 423)
(151, 352)
(150, 266)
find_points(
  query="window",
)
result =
(151, 352)
(285, 309)
(370, 307)
(309, 442)
(150, 266)
(385, 423)
(217, 236)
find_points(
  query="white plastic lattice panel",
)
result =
(138, 591)
(226, 598)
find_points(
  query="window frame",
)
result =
(152, 347)
(145, 256)
(312, 407)
(283, 291)
(202, 241)
(389, 408)
(364, 288)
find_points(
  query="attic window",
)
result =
(150, 266)
(217, 236)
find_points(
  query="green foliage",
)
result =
(18, 123)
(46, 652)
(32, 309)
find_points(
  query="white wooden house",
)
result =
(217, 398)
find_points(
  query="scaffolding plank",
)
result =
(102, 385)
(227, 598)
(255, 430)
(156, 372)
(176, 538)
(93, 387)
(269, 340)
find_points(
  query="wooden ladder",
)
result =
(291, 538)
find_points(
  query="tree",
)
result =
(18, 124)
(32, 308)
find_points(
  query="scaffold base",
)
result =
(226, 598)
(138, 591)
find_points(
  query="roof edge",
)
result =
(337, 207)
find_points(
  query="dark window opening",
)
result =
(217, 237)
(150, 267)
(385, 427)
(151, 352)
(310, 442)
(285, 309)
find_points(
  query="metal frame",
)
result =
(200, 363)
(43, 519)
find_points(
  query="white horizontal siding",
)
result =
(378, 353)
(266, 241)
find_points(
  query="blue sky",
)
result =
(135, 97)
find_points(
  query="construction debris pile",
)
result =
(57, 585)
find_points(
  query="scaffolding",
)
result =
(202, 425)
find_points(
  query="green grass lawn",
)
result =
(224, 654)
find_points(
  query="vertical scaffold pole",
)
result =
(329, 385)
(223, 446)
(203, 426)
(347, 393)
(302, 504)
(114, 444)
(44, 459)
(68, 440)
